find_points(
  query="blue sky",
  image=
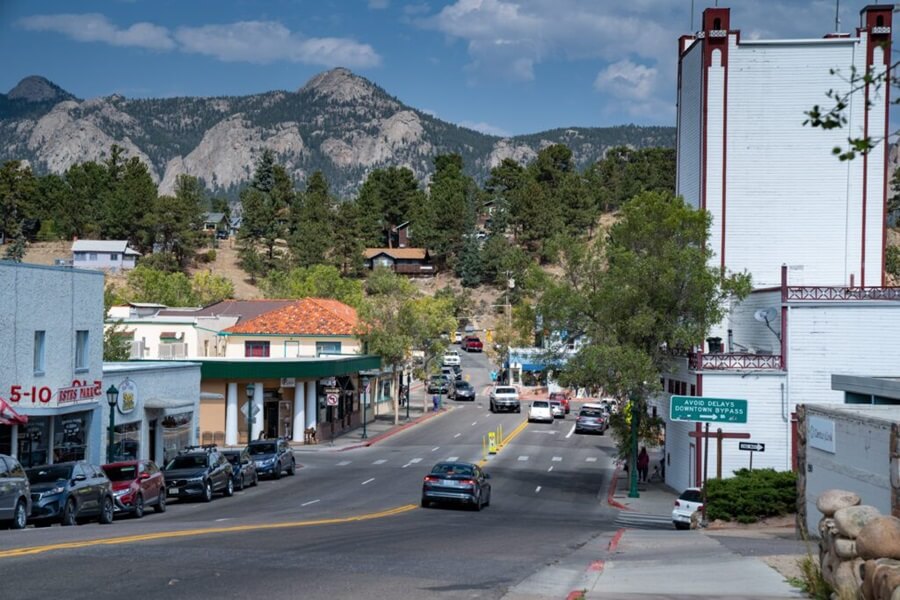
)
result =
(500, 66)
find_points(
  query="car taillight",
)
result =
(430, 479)
(468, 482)
(677, 505)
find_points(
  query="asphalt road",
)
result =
(270, 541)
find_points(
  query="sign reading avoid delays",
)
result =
(712, 410)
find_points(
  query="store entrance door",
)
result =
(151, 441)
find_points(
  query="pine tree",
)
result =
(468, 267)
(314, 236)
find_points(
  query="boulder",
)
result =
(830, 501)
(849, 521)
(825, 524)
(887, 579)
(844, 549)
(879, 538)
(847, 576)
(869, 570)
(829, 563)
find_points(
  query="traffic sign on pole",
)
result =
(708, 410)
(331, 399)
(752, 446)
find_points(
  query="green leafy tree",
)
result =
(18, 198)
(176, 222)
(15, 250)
(265, 218)
(116, 339)
(468, 267)
(449, 211)
(348, 239)
(151, 285)
(82, 212)
(208, 288)
(318, 281)
(386, 199)
(314, 234)
(129, 196)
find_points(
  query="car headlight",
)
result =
(194, 479)
(268, 461)
(57, 490)
(120, 493)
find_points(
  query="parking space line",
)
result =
(571, 431)
(308, 503)
(368, 481)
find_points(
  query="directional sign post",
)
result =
(752, 447)
(707, 410)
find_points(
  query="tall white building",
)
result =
(809, 229)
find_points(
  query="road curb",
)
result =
(383, 436)
(613, 482)
(595, 569)
(614, 542)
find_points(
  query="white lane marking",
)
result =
(225, 519)
(344, 463)
(550, 469)
(308, 503)
(368, 481)
(523, 458)
(571, 431)
(537, 489)
(457, 435)
(474, 423)
(435, 448)
(591, 459)
(557, 458)
(380, 461)
(452, 458)
(415, 460)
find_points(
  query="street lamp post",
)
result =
(633, 474)
(365, 386)
(112, 398)
(408, 390)
(251, 418)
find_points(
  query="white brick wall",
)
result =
(690, 114)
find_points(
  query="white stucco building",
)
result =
(809, 228)
(111, 255)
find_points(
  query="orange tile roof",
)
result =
(307, 316)
(397, 253)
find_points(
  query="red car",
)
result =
(562, 399)
(136, 485)
(472, 344)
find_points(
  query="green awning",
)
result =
(269, 368)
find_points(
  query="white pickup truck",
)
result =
(451, 358)
(505, 398)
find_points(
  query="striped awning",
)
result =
(8, 416)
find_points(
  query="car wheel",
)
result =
(67, 519)
(207, 492)
(602, 432)
(293, 468)
(161, 502)
(20, 516)
(425, 503)
(276, 472)
(518, 409)
(488, 501)
(477, 506)
(138, 507)
(229, 488)
(492, 407)
(681, 525)
(107, 512)
(255, 479)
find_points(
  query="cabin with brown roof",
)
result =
(403, 261)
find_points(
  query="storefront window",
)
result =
(70, 436)
(176, 431)
(127, 441)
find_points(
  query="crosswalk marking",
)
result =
(523, 458)
(368, 481)
(557, 458)
(591, 459)
(415, 460)
(344, 463)
(380, 461)
(633, 520)
(452, 459)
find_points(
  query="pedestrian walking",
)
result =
(643, 464)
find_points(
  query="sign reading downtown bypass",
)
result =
(712, 410)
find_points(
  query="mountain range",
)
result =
(338, 122)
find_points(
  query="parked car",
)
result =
(457, 482)
(438, 384)
(458, 337)
(272, 457)
(452, 373)
(557, 409)
(137, 484)
(472, 344)
(199, 472)
(505, 397)
(540, 411)
(562, 398)
(15, 493)
(591, 419)
(462, 390)
(689, 502)
(451, 358)
(70, 491)
(243, 468)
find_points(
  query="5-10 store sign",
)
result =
(79, 390)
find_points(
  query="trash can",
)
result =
(436, 400)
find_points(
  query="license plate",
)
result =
(173, 491)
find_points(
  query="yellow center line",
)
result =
(198, 532)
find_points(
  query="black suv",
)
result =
(272, 457)
(199, 472)
(70, 491)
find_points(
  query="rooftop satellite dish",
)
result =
(765, 315)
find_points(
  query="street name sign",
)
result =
(709, 410)
(752, 446)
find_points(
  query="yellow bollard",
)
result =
(492, 443)
(483, 448)
(501, 435)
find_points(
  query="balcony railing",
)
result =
(735, 361)
(839, 293)
(402, 269)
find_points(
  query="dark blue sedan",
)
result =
(457, 482)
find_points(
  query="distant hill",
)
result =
(339, 123)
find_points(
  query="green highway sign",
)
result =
(712, 410)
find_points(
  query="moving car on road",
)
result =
(15, 493)
(199, 472)
(472, 344)
(562, 398)
(591, 419)
(451, 358)
(243, 469)
(557, 409)
(462, 390)
(438, 384)
(452, 373)
(457, 482)
(540, 411)
(70, 491)
(272, 457)
(137, 484)
(689, 502)
(505, 397)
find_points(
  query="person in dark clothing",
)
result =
(643, 464)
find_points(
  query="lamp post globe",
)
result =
(112, 398)
(364, 382)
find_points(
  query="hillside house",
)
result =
(104, 255)
(403, 261)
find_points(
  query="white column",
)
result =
(299, 423)
(14, 441)
(312, 411)
(258, 403)
(231, 415)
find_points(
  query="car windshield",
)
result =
(49, 474)
(234, 459)
(256, 449)
(555, 403)
(195, 461)
(691, 496)
(451, 469)
(463, 385)
(540, 404)
(505, 390)
(590, 412)
(121, 472)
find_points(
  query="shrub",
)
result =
(752, 495)
(207, 257)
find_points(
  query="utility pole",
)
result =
(632, 459)
(510, 284)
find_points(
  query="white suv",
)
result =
(505, 397)
(689, 502)
(540, 411)
(451, 358)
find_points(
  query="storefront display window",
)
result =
(127, 441)
(70, 436)
(176, 432)
(34, 442)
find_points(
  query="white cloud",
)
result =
(94, 27)
(484, 128)
(627, 80)
(378, 4)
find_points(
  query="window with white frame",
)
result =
(328, 348)
(39, 339)
(81, 349)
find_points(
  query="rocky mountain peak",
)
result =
(38, 89)
(340, 85)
